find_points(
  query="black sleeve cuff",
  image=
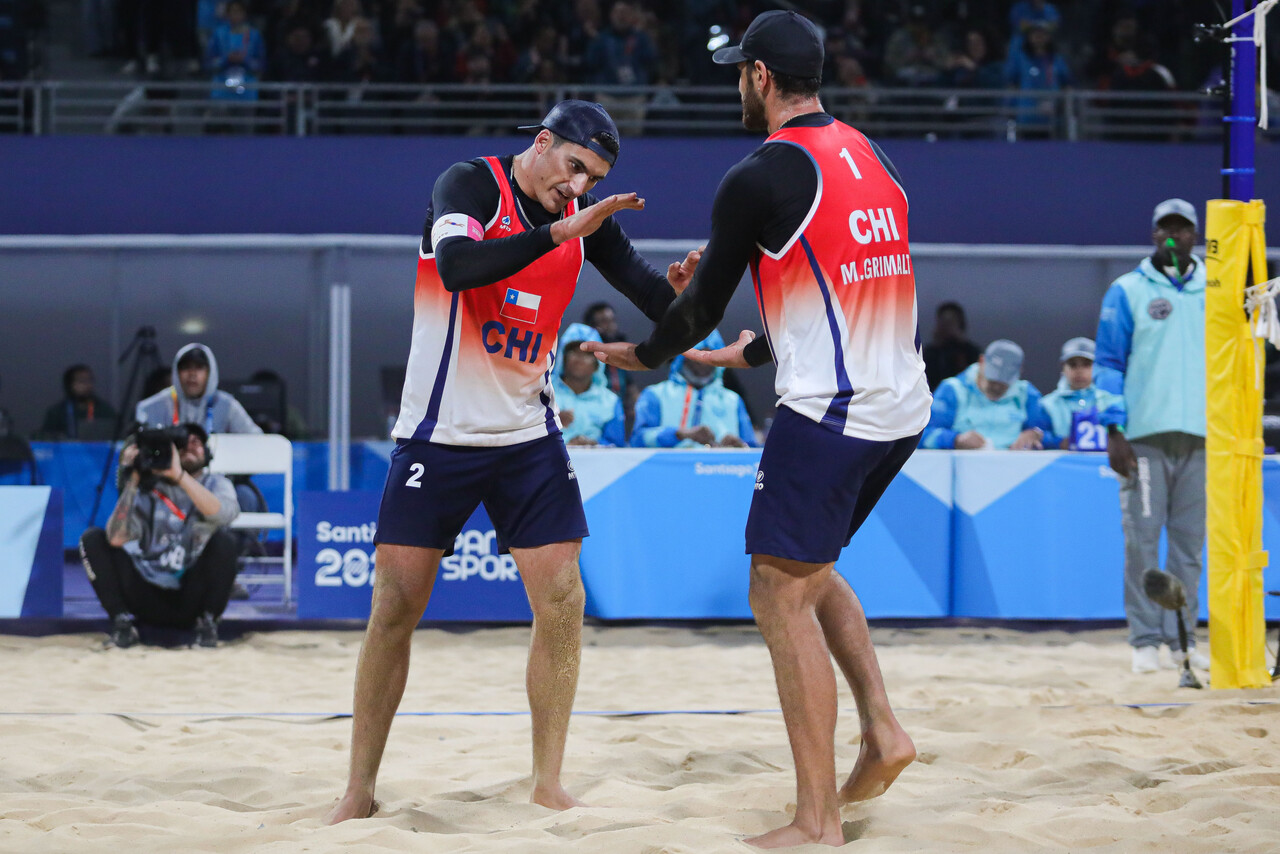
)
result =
(645, 354)
(758, 352)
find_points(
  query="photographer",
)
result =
(165, 557)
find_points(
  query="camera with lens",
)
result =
(155, 447)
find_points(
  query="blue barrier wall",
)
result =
(961, 192)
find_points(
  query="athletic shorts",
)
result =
(816, 487)
(529, 490)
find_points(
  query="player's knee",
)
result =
(563, 592)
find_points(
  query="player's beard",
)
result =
(753, 112)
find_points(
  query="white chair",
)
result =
(253, 453)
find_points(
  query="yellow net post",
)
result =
(1234, 238)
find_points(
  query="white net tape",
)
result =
(1264, 319)
(1259, 40)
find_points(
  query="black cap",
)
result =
(579, 122)
(786, 42)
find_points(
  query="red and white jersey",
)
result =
(839, 300)
(480, 363)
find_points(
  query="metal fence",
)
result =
(297, 109)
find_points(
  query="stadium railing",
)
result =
(303, 109)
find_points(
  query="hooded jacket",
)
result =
(1151, 350)
(597, 412)
(669, 405)
(960, 406)
(216, 411)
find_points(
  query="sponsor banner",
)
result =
(30, 551)
(336, 565)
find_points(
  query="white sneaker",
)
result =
(1146, 659)
(1199, 661)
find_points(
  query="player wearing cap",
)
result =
(504, 241)
(987, 406)
(1077, 415)
(820, 217)
(1151, 351)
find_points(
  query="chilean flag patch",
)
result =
(520, 306)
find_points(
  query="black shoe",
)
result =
(124, 633)
(206, 631)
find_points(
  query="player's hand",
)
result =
(566, 417)
(587, 220)
(583, 441)
(970, 440)
(725, 357)
(681, 274)
(702, 434)
(1028, 440)
(1120, 455)
(621, 355)
(731, 441)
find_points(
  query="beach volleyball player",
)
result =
(819, 215)
(504, 241)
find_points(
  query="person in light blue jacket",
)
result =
(1151, 351)
(1077, 415)
(987, 406)
(590, 414)
(692, 408)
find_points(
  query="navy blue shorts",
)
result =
(529, 490)
(816, 487)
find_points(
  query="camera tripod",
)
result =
(146, 358)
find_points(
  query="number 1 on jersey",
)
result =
(848, 158)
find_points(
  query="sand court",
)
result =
(1029, 741)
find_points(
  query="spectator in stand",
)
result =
(692, 408)
(1136, 70)
(424, 59)
(949, 351)
(989, 406)
(601, 317)
(235, 56)
(489, 41)
(590, 414)
(1122, 37)
(80, 414)
(340, 26)
(361, 60)
(622, 54)
(296, 60)
(545, 49)
(583, 29)
(401, 25)
(1026, 14)
(851, 37)
(1077, 415)
(156, 30)
(915, 55)
(1037, 67)
(975, 67)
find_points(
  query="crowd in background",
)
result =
(1103, 44)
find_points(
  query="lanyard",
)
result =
(684, 416)
(167, 503)
(208, 410)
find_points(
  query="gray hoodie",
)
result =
(215, 411)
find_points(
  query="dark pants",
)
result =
(206, 586)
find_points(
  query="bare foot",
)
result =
(554, 797)
(352, 806)
(786, 837)
(880, 761)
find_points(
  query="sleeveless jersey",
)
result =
(839, 302)
(480, 363)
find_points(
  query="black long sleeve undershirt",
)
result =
(762, 201)
(469, 188)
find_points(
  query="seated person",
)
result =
(1077, 414)
(590, 414)
(165, 558)
(692, 408)
(987, 406)
(80, 414)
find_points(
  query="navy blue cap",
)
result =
(580, 122)
(786, 42)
